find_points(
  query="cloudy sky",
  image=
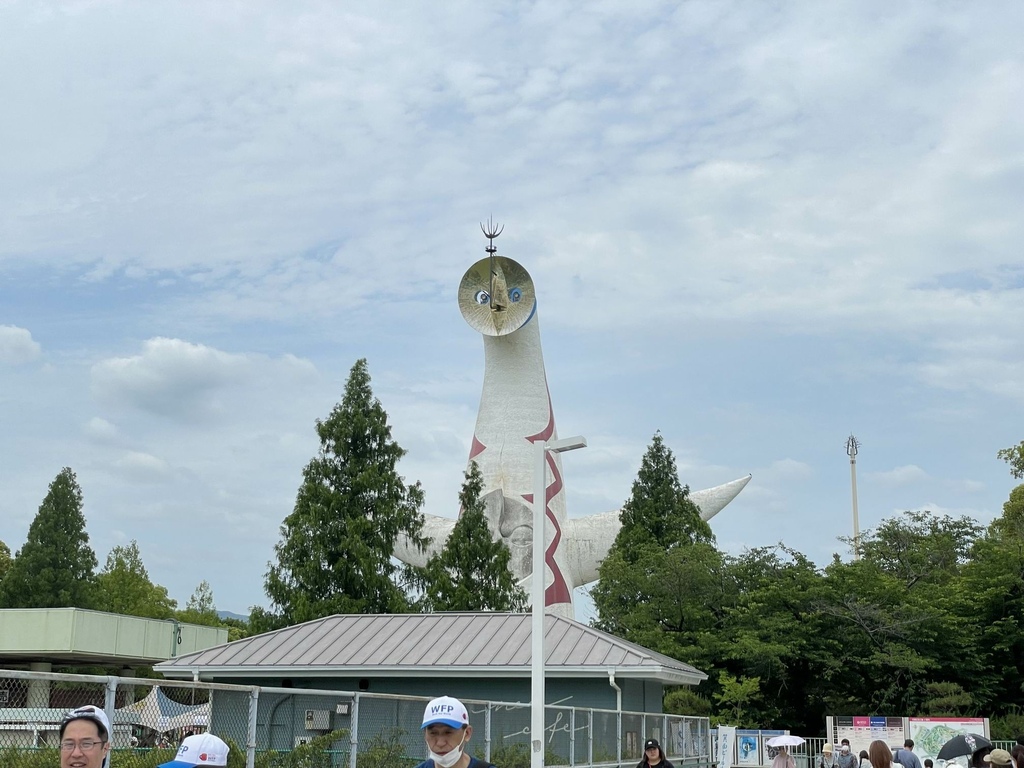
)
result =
(756, 227)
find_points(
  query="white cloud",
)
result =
(17, 345)
(909, 474)
(142, 467)
(101, 430)
(789, 469)
(181, 380)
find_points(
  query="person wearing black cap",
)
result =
(85, 738)
(653, 757)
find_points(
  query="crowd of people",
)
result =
(880, 755)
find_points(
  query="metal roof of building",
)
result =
(431, 644)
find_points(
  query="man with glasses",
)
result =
(85, 738)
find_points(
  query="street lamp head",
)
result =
(852, 444)
(566, 444)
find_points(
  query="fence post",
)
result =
(618, 736)
(664, 731)
(250, 746)
(353, 735)
(590, 737)
(487, 733)
(109, 705)
(572, 736)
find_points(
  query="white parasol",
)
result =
(785, 741)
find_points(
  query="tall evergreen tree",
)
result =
(55, 568)
(336, 547)
(662, 549)
(471, 572)
(124, 586)
(659, 510)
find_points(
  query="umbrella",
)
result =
(785, 741)
(963, 744)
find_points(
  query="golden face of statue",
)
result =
(496, 296)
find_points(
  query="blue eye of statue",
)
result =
(514, 294)
(482, 297)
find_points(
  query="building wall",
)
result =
(597, 693)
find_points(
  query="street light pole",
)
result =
(540, 505)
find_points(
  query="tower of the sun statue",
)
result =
(498, 300)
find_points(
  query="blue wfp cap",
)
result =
(445, 710)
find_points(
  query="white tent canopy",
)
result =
(159, 712)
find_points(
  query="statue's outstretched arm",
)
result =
(436, 530)
(588, 539)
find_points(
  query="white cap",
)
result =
(88, 712)
(201, 749)
(445, 710)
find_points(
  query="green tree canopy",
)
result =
(124, 586)
(929, 621)
(774, 634)
(1015, 458)
(200, 608)
(989, 602)
(641, 587)
(471, 572)
(659, 510)
(5, 559)
(919, 546)
(895, 611)
(336, 547)
(737, 699)
(1010, 525)
(55, 568)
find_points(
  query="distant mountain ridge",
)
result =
(231, 615)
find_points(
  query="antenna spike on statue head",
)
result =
(491, 232)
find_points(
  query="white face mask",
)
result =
(448, 759)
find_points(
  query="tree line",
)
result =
(926, 621)
(56, 568)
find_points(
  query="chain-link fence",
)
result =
(292, 727)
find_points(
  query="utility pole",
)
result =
(851, 450)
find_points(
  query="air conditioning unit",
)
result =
(301, 741)
(318, 720)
